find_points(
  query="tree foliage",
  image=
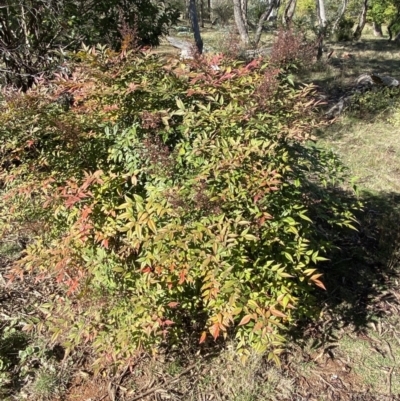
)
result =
(169, 199)
(35, 34)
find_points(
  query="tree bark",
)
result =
(186, 15)
(264, 17)
(243, 9)
(241, 24)
(322, 27)
(362, 19)
(340, 16)
(321, 14)
(195, 25)
(289, 12)
(208, 14)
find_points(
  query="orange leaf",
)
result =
(258, 326)
(245, 320)
(319, 284)
(315, 276)
(277, 313)
(203, 337)
(214, 330)
(182, 277)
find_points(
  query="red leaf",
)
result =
(173, 304)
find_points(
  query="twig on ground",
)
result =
(330, 385)
(390, 379)
(158, 388)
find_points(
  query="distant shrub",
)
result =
(222, 11)
(291, 49)
(344, 31)
(379, 101)
(170, 199)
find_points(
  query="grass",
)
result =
(377, 358)
(47, 385)
(371, 150)
(364, 300)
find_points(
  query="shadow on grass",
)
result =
(368, 56)
(371, 107)
(362, 276)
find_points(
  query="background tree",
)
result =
(322, 22)
(195, 25)
(241, 20)
(394, 24)
(288, 13)
(362, 19)
(221, 12)
(35, 34)
(271, 6)
(340, 15)
(265, 9)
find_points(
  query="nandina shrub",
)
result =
(292, 49)
(173, 198)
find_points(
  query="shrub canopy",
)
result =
(169, 200)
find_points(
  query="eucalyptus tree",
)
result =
(266, 9)
(240, 13)
(362, 19)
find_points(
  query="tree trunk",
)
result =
(186, 14)
(202, 13)
(289, 12)
(321, 14)
(208, 14)
(264, 17)
(243, 9)
(340, 16)
(322, 27)
(241, 24)
(195, 25)
(275, 10)
(377, 29)
(362, 19)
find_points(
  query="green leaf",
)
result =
(180, 104)
(288, 256)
